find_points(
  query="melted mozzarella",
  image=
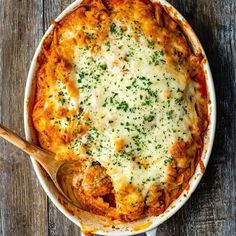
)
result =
(131, 92)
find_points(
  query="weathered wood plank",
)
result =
(23, 203)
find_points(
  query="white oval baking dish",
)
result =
(97, 224)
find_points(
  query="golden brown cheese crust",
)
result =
(88, 26)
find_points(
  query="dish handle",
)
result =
(149, 233)
(152, 232)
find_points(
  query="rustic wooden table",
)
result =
(24, 207)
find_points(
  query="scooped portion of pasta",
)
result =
(120, 90)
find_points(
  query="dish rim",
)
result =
(209, 137)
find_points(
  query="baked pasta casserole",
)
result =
(120, 90)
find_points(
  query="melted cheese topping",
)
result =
(128, 94)
(131, 93)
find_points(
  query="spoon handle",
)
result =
(37, 153)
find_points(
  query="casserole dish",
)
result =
(83, 218)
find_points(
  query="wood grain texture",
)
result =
(22, 202)
(24, 209)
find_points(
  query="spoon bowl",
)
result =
(57, 170)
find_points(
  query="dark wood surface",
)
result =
(24, 207)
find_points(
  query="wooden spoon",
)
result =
(45, 158)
